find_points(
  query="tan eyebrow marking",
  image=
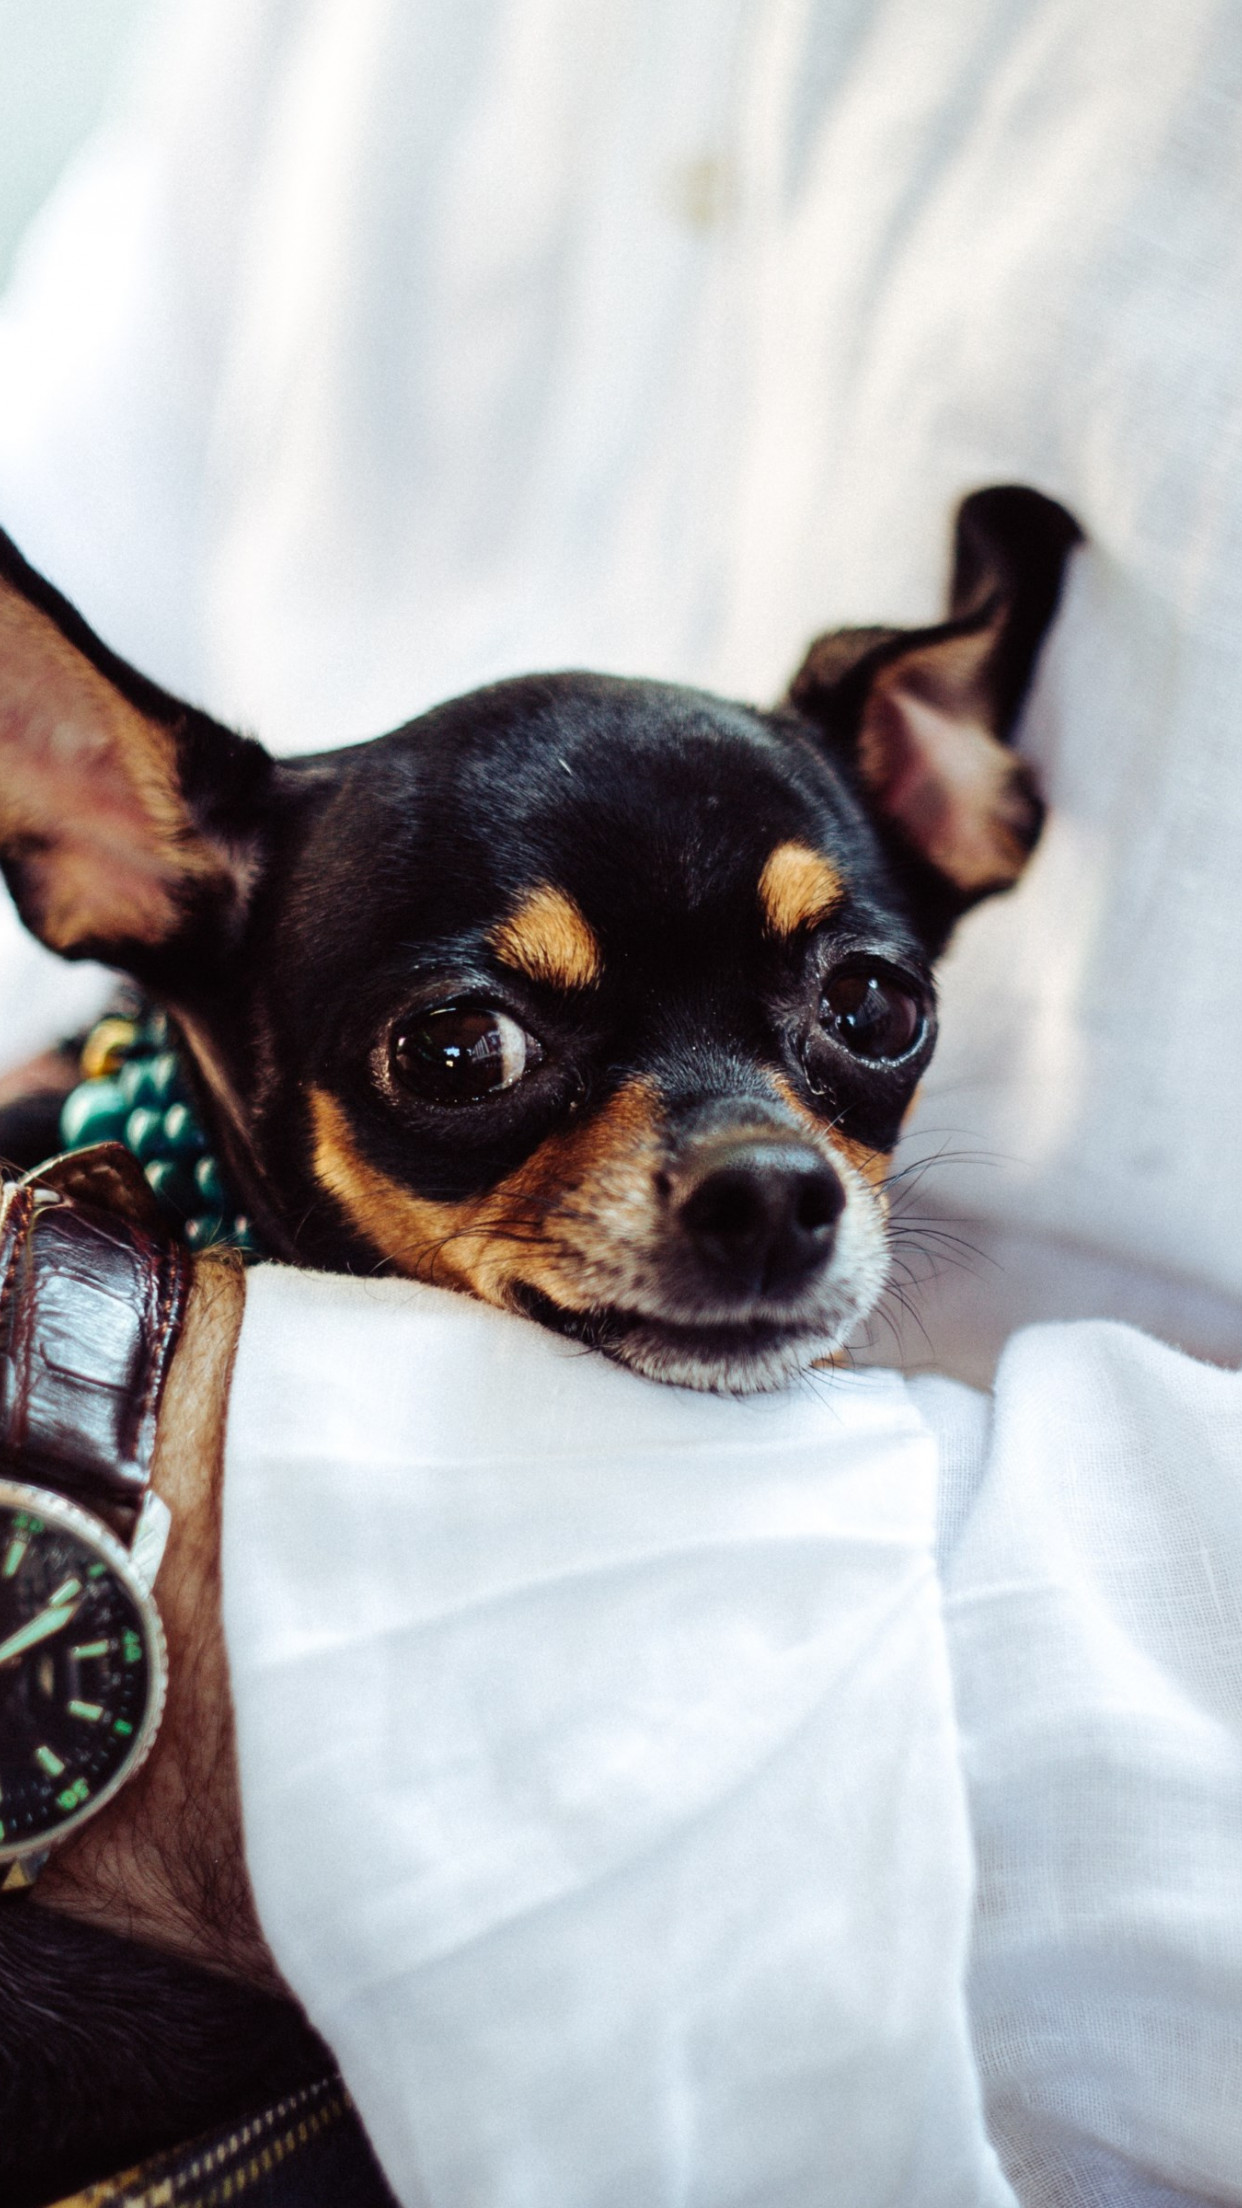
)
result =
(797, 888)
(548, 939)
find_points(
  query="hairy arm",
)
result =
(163, 1863)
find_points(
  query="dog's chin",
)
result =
(747, 1357)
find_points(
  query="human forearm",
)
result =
(163, 1862)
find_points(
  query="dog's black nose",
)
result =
(762, 1215)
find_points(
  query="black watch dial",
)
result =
(81, 1668)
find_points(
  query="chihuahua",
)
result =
(601, 1000)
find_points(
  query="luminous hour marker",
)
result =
(90, 1648)
(13, 1554)
(50, 1761)
(91, 1711)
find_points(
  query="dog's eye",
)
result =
(872, 1014)
(459, 1054)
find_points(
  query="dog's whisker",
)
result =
(919, 1233)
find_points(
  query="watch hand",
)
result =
(39, 1628)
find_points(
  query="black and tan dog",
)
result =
(601, 1000)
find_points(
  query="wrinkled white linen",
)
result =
(1095, 1621)
(1094, 1610)
(388, 345)
(616, 1762)
(602, 1795)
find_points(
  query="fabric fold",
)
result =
(613, 1832)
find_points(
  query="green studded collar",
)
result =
(133, 1091)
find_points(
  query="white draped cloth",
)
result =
(831, 1797)
(379, 347)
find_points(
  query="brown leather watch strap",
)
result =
(92, 1296)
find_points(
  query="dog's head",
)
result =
(602, 1000)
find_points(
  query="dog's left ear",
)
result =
(926, 714)
(128, 821)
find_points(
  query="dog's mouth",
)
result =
(688, 1309)
(743, 1357)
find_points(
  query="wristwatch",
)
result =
(92, 1297)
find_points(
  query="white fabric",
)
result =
(604, 1788)
(1094, 1610)
(602, 1796)
(387, 345)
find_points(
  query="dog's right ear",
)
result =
(129, 823)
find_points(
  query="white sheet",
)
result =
(1094, 1610)
(602, 1795)
(616, 1763)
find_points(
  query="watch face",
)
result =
(81, 1667)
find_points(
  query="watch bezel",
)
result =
(84, 1526)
